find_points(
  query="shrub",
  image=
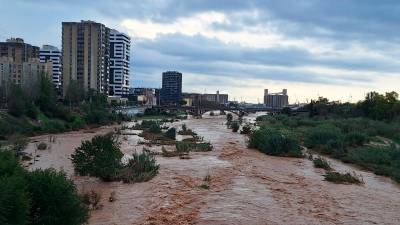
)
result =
(355, 138)
(229, 117)
(91, 200)
(142, 167)
(203, 147)
(18, 144)
(212, 113)
(246, 129)
(77, 123)
(171, 133)
(320, 162)
(154, 128)
(42, 146)
(335, 148)
(14, 198)
(54, 199)
(235, 126)
(319, 136)
(274, 142)
(182, 146)
(343, 178)
(99, 157)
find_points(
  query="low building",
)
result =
(143, 96)
(194, 99)
(276, 100)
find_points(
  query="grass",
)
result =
(182, 146)
(343, 178)
(142, 167)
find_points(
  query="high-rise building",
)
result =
(18, 51)
(171, 91)
(52, 54)
(85, 55)
(276, 100)
(25, 74)
(120, 45)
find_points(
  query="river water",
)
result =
(246, 187)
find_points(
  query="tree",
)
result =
(99, 157)
(47, 100)
(54, 199)
(74, 93)
(16, 101)
(14, 198)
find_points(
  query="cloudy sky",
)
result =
(338, 49)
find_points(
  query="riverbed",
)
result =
(246, 187)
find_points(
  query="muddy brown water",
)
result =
(246, 187)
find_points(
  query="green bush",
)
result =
(246, 129)
(14, 198)
(154, 128)
(320, 162)
(343, 178)
(171, 133)
(274, 142)
(182, 146)
(142, 167)
(203, 147)
(355, 138)
(77, 123)
(335, 148)
(235, 126)
(229, 117)
(42, 146)
(54, 199)
(321, 135)
(99, 157)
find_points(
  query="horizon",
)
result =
(317, 48)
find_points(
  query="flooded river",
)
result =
(246, 187)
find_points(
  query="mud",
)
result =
(246, 186)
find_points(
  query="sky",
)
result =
(338, 49)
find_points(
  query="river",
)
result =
(246, 187)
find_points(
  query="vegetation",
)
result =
(229, 118)
(275, 142)
(246, 129)
(183, 146)
(54, 199)
(235, 126)
(142, 167)
(186, 131)
(42, 146)
(320, 162)
(353, 133)
(37, 110)
(171, 133)
(99, 157)
(343, 178)
(37, 197)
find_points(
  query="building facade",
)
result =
(86, 55)
(18, 51)
(52, 54)
(26, 74)
(143, 96)
(120, 45)
(171, 91)
(276, 100)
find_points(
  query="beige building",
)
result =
(276, 100)
(17, 50)
(86, 49)
(25, 74)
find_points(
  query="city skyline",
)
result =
(312, 50)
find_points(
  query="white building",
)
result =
(120, 45)
(50, 53)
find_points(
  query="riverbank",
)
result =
(246, 186)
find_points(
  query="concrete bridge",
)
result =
(199, 110)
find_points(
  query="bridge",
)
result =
(200, 110)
